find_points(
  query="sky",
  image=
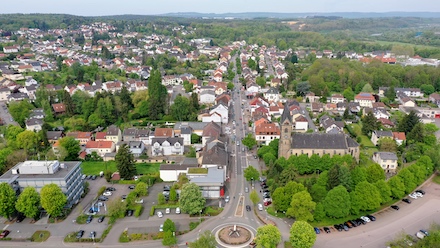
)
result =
(153, 7)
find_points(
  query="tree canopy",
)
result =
(191, 199)
(302, 207)
(53, 199)
(7, 200)
(268, 236)
(205, 240)
(28, 202)
(302, 235)
(125, 162)
(250, 173)
(337, 203)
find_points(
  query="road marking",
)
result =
(4, 228)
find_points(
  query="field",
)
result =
(94, 167)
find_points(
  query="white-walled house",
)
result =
(207, 97)
(222, 110)
(167, 146)
(387, 160)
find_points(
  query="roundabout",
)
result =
(234, 235)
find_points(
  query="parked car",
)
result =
(424, 232)
(166, 188)
(361, 221)
(395, 207)
(20, 217)
(260, 207)
(348, 224)
(345, 227)
(161, 228)
(107, 193)
(88, 177)
(131, 187)
(129, 212)
(92, 234)
(413, 195)
(79, 234)
(110, 189)
(420, 191)
(246, 190)
(267, 203)
(177, 210)
(371, 217)
(327, 230)
(338, 227)
(167, 210)
(418, 194)
(101, 219)
(139, 201)
(227, 199)
(365, 218)
(248, 208)
(103, 198)
(123, 197)
(159, 214)
(317, 231)
(353, 223)
(406, 200)
(89, 219)
(94, 177)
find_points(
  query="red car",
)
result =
(4, 234)
(267, 203)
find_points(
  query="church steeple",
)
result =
(286, 132)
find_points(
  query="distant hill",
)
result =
(251, 15)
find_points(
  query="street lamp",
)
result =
(200, 216)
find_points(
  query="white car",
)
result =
(139, 201)
(177, 210)
(227, 199)
(260, 206)
(159, 214)
(107, 193)
(418, 194)
(161, 228)
(366, 219)
(167, 210)
(413, 196)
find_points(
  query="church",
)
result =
(313, 143)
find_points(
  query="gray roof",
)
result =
(214, 176)
(386, 155)
(171, 140)
(61, 173)
(272, 90)
(322, 141)
(185, 130)
(210, 92)
(286, 114)
(194, 125)
(383, 133)
(215, 154)
(112, 130)
(34, 121)
(54, 135)
(172, 167)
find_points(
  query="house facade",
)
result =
(386, 160)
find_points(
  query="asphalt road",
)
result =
(5, 115)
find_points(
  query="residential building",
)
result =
(377, 135)
(387, 160)
(34, 124)
(399, 137)
(82, 137)
(114, 134)
(37, 174)
(266, 133)
(337, 98)
(167, 146)
(365, 99)
(272, 95)
(53, 136)
(100, 147)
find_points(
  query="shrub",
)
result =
(124, 237)
(81, 219)
(152, 210)
(138, 210)
(101, 190)
(193, 225)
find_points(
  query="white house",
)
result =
(34, 124)
(185, 133)
(4, 93)
(100, 147)
(365, 99)
(387, 160)
(222, 110)
(167, 146)
(214, 117)
(253, 88)
(337, 98)
(301, 123)
(377, 135)
(207, 97)
(272, 95)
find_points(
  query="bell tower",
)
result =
(286, 133)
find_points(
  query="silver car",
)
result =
(227, 199)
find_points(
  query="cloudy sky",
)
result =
(149, 7)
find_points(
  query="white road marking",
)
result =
(4, 228)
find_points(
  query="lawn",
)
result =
(357, 128)
(40, 236)
(94, 167)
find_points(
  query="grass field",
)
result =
(40, 236)
(94, 167)
(357, 128)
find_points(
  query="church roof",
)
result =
(322, 141)
(286, 114)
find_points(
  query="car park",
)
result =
(107, 193)
(110, 189)
(248, 208)
(227, 199)
(159, 214)
(129, 212)
(92, 234)
(317, 231)
(167, 210)
(79, 234)
(371, 217)
(395, 207)
(260, 207)
(103, 198)
(177, 210)
(101, 219)
(406, 200)
(89, 219)
(327, 230)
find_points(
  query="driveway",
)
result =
(420, 214)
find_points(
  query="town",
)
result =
(176, 139)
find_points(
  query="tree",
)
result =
(250, 173)
(71, 146)
(268, 236)
(302, 88)
(27, 140)
(348, 94)
(319, 213)
(397, 187)
(7, 200)
(180, 110)
(417, 134)
(191, 199)
(260, 81)
(28, 202)
(387, 145)
(68, 103)
(161, 198)
(280, 199)
(249, 141)
(230, 86)
(427, 89)
(358, 174)
(384, 190)
(302, 235)
(205, 240)
(141, 189)
(125, 162)
(157, 94)
(255, 198)
(169, 239)
(408, 179)
(173, 195)
(367, 88)
(169, 225)
(375, 173)
(365, 197)
(195, 139)
(53, 199)
(407, 122)
(337, 203)
(369, 123)
(302, 207)
(20, 111)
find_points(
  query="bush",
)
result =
(81, 219)
(152, 210)
(213, 211)
(138, 210)
(124, 237)
(101, 190)
(193, 225)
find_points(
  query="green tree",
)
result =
(367, 88)
(169, 225)
(68, 103)
(255, 198)
(365, 197)
(173, 195)
(71, 146)
(337, 203)
(125, 162)
(191, 199)
(375, 173)
(302, 88)
(302, 207)
(384, 190)
(407, 122)
(169, 239)
(260, 81)
(27, 140)
(28, 202)
(230, 86)
(141, 189)
(302, 235)
(250, 173)
(20, 111)
(427, 89)
(408, 179)
(53, 199)
(161, 199)
(7, 200)
(397, 187)
(358, 174)
(387, 145)
(205, 240)
(195, 139)
(348, 94)
(268, 236)
(157, 95)
(180, 110)
(249, 141)
(369, 123)
(319, 213)
(417, 134)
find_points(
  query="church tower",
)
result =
(286, 133)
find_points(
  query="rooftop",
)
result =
(61, 170)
